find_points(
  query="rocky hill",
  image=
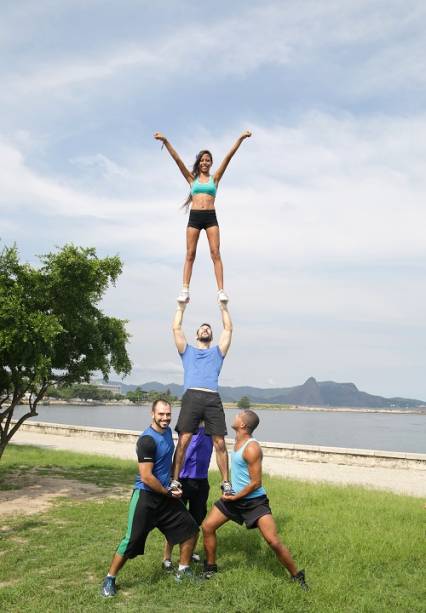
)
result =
(311, 393)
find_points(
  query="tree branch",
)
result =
(3, 400)
(19, 423)
(5, 412)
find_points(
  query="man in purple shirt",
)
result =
(195, 485)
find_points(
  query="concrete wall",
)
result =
(274, 451)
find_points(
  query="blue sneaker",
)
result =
(184, 575)
(108, 587)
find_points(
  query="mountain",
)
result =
(310, 393)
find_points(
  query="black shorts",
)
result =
(202, 219)
(198, 405)
(149, 510)
(245, 511)
(195, 495)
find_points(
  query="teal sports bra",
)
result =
(208, 188)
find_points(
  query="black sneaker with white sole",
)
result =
(209, 570)
(300, 579)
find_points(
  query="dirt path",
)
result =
(36, 493)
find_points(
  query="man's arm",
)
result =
(145, 472)
(253, 456)
(180, 339)
(226, 336)
(146, 456)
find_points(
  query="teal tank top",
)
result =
(240, 475)
(208, 188)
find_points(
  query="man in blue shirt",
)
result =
(249, 503)
(201, 401)
(153, 503)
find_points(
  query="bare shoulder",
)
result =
(253, 451)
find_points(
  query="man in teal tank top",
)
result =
(249, 504)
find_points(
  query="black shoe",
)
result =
(108, 587)
(300, 579)
(209, 570)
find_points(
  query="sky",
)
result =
(321, 212)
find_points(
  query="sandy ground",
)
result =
(401, 481)
(36, 493)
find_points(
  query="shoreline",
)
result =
(402, 473)
(253, 406)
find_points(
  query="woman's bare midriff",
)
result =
(202, 202)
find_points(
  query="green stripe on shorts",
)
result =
(132, 508)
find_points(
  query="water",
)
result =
(385, 431)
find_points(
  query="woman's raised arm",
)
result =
(188, 176)
(219, 172)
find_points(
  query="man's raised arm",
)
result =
(178, 334)
(226, 336)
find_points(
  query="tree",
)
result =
(137, 396)
(51, 328)
(244, 403)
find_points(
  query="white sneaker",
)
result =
(184, 295)
(221, 296)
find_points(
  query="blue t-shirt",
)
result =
(197, 457)
(201, 367)
(158, 448)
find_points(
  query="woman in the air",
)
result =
(202, 215)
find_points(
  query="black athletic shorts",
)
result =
(202, 219)
(195, 493)
(149, 510)
(245, 511)
(198, 405)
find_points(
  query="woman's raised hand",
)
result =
(245, 134)
(160, 136)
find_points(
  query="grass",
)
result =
(363, 551)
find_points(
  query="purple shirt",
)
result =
(197, 456)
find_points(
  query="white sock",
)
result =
(167, 563)
(183, 566)
(111, 576)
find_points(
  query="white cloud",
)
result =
(327, 189)
(273, 34)
(322, 213)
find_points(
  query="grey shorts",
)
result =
(245, 511)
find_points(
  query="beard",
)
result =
(160, 425)
(206, 338)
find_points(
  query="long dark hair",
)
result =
(195, 174)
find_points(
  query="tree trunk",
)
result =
(5, 434)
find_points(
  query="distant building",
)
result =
(115, 388)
